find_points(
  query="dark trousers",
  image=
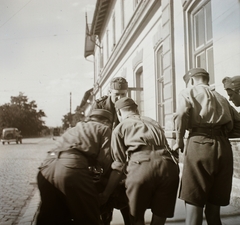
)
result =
(118, 201)
(53, 208)
(67, 192)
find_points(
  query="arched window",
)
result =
(139, 88)
(160, 87)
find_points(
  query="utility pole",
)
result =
(70, 116)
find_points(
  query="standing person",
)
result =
(208, 164)
(68, 193)
(232, 87)
(118, 89)
(140, 148)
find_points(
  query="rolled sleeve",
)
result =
(119, 166)
(181, 119)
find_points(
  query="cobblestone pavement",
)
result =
(18, 169)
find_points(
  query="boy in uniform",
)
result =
(210, 120)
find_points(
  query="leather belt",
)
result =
(208, 131)
(144, 149)
(71, 153)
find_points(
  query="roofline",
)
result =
(99, 16)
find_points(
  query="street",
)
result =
(18, 168)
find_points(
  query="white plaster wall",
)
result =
(149, 78)
(179, 51)
(144, 42)
(118, 20)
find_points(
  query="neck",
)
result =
(126, 114)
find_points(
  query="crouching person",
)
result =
(152, 174)
(67, 189)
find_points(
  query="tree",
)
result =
(23, 115)
(72, 119)
(66, 121)
(78, 116)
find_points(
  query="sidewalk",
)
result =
(230, 215)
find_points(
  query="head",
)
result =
(195, 76)
(118, 88)
(232, 87)
(102, 115)
(126, 106)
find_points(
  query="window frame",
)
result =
(193, 51)
(160, 85)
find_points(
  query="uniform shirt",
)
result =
(105, 102)
(91, 138)
(200, 106)
(133, 133)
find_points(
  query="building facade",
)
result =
(152, 43)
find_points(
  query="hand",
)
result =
(179, 145)
(103, 198)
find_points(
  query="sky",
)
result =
(42, 54)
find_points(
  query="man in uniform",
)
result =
(68, 194)
(118, 89)
(208, 164)
(232, 87)
(140, 148)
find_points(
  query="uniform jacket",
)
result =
(133, 133)
(201, 106)
(91, 139)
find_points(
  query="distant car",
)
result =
(56, 132)
(11, 135)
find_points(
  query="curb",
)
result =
(30, 214)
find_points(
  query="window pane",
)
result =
(139, 94)
(159, 63)
(114, 29)
(209, 21)
(199, 28)
(210, 65)
(160, 103)
(201, 60)
(160, 89)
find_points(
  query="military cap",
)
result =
(102, 112)
(195, 72)
(232, 83)
(119, 83)
(123, 102)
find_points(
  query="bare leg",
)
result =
(194, 214)
(156, 220)
(212, 213)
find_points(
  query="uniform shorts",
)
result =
(207, 171)
(152, 182)
(67, 190)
